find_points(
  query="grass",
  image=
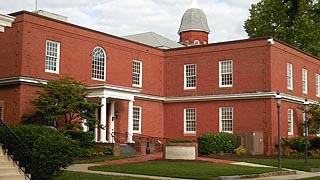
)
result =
(297, 164)
(101, 159)
(66, 175)
(182, 169)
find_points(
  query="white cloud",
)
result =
(124, 17)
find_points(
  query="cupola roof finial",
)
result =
(194, 5)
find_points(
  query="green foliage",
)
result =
(85, 139)
(65, 98)
(240, 150)
(53, 150)
(294, 22)
(107, 150)
(86, 152)
(313, 112)
(216, 142)
(315, 143)
(179, 140)
(297, 144)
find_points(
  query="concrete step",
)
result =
(12, 177)
(10, 171)
(4, 158)
(4, 164)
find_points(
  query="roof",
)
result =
(194, 19)
(154, 40)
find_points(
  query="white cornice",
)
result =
(5, 21)
(102, 90)
(21, 79)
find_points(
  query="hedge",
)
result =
(212, 143)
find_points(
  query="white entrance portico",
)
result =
(107, 95)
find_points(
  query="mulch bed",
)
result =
(92, 157)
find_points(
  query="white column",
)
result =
(103, 120)
(130, 122)
(84, 126)
(96, 128)
(111, 122)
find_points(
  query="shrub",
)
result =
(53, 150)
(297, 144)
(315, 143)
(86, 152)
(179, 140)
(216, 142)
(85, 138)
(240, 150)
(107, 150)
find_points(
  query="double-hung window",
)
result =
(190, 121)
(304, 81)
(290, 121)
(225, 73)
(289, 76)
(226, 119)
(98, 64)
(137, 73)
(190, 76)
(136, 119)
(52, 56)
(318, 85)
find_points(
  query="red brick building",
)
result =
(160, 91)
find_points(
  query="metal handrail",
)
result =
(18, 151)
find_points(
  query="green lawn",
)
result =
(297, 164)
(182, 169)
(86, 176)
(101, 159)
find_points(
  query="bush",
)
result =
(315, 143)
(211, 143)
(240, 150)
(179, 140)
(297, 144)
(107, 150)
(85, 138)
(53, 150)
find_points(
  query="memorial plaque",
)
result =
(180, 152)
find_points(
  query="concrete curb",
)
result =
(249, 176)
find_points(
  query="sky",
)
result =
(125, 17)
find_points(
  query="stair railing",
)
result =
(18, 151)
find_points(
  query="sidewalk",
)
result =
(149, 157)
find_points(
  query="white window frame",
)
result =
(304, 81)
(191, 119)
(135, 119)
(56, 57)
(317, 85)
(96, 67)
(221, 128)
(2, 110)
(137, 73)
(290, 121)
(196, 42)
(289, 76)
(222, 73)
(187, 77)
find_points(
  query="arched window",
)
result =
(98, 64)
(204, 42)
(196, 42)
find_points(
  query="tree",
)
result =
(296, 22)
(66, 98)
(313, 118)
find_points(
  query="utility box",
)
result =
(252, 141)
